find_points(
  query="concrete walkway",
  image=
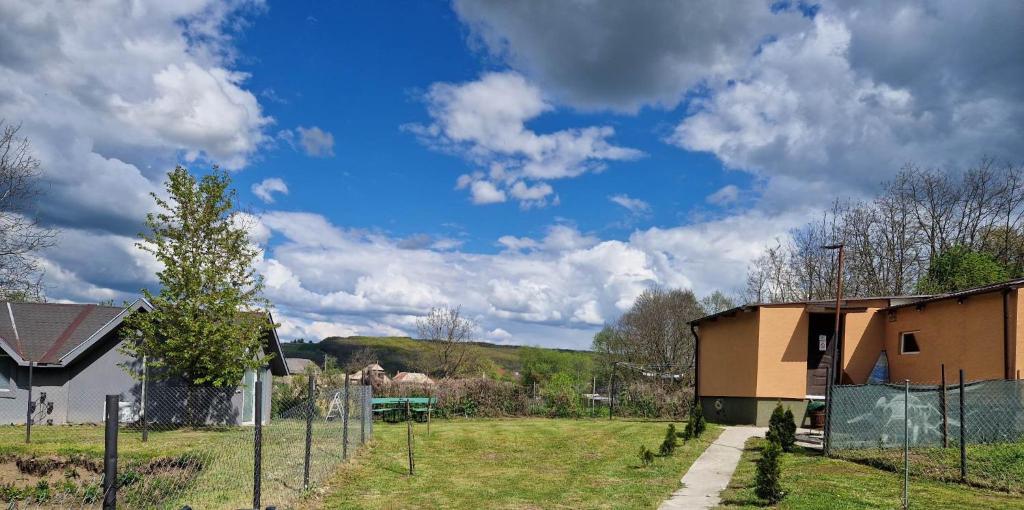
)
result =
(711, 472)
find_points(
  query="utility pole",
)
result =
(834, 349)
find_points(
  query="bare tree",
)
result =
(655, 331)
(21, 235)
(891, 240)
(450, 335)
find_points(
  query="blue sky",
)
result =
(361, 76)
(538, 163)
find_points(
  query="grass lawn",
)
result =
(812, 481)
(991, 466)
(514, 464)
(206, 468)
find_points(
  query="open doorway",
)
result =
(820, 333)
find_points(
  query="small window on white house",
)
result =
(6, 372)
(908, 343)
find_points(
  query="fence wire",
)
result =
(868, 423)
(182, 445)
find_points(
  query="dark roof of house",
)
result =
(826, 303)
(54, 334)
(46, 332)
(1007, 285)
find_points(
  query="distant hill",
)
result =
(395, 353)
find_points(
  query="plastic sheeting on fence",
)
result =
(872, 415)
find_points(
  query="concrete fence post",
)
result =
(110, 453)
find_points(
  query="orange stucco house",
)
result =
(751, 357)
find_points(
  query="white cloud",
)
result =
(266, 188)
(112, 95)
(316, 142)
(485, 192)
(485, 121)
(633, 205)
(725, 195)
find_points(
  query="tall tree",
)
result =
(209, 316)
(960, 268)
(21, 235)
(450, 335)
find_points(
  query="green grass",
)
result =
(812, 481)
(515, 464)
(991, 466)
(207, 468)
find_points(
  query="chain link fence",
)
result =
(970, 432)
(177, 446)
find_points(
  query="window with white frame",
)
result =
(908, 342)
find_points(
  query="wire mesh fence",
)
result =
(971, 432)
(201, 447)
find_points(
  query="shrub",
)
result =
(789, 428)
(646, 456)
(561, 397)
(687, 432)
(782, 428)
(668, 446)
(767, 486)
(697, 419)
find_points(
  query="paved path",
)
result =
(711, 472)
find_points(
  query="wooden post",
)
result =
(344, 421)
(945, 410)
(310, 407)
(429, 399)
(145, 399)
(408, 421)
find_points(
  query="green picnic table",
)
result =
(394, 407)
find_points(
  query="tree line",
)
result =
(927, 231)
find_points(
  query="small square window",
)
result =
(908, 343)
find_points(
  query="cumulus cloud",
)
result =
(316, 142)
(623, 55)
(633, 205)
(111, 95)
(266, 188)
(485, 121)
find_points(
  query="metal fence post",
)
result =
(344, 421)
(310, 406)
(945, 410)
(906, 443)
(826, 442)
(408, 421)
(963, 432)
(362, 415)
(145, 399)
(110, 454)
(30, 406)
(257, 444)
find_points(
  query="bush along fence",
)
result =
(969, 432)
(488, 398)
(200, 447)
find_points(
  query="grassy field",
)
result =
(812, 482)
(208, 468)
(514, 464)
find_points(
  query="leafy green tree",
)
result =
(960, 268)
(209, 315)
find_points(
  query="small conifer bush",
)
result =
(668, 446)
(697, 419)
(767, 486)
(646, 456)
(782, 428)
